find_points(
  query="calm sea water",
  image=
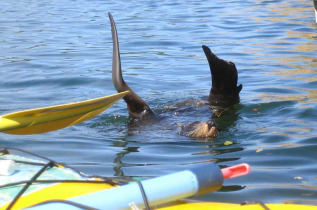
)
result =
(55, 52)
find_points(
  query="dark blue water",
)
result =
(54, 52)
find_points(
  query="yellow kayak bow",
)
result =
(52, 118)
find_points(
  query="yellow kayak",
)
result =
(28, 181)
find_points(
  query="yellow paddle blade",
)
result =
(52, 118)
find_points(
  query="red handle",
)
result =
(235, 171)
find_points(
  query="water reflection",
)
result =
(231, 188)
(119, 155)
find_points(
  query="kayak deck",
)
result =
(39, 182)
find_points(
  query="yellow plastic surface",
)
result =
(60, 191)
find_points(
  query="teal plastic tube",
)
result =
(198, 180)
